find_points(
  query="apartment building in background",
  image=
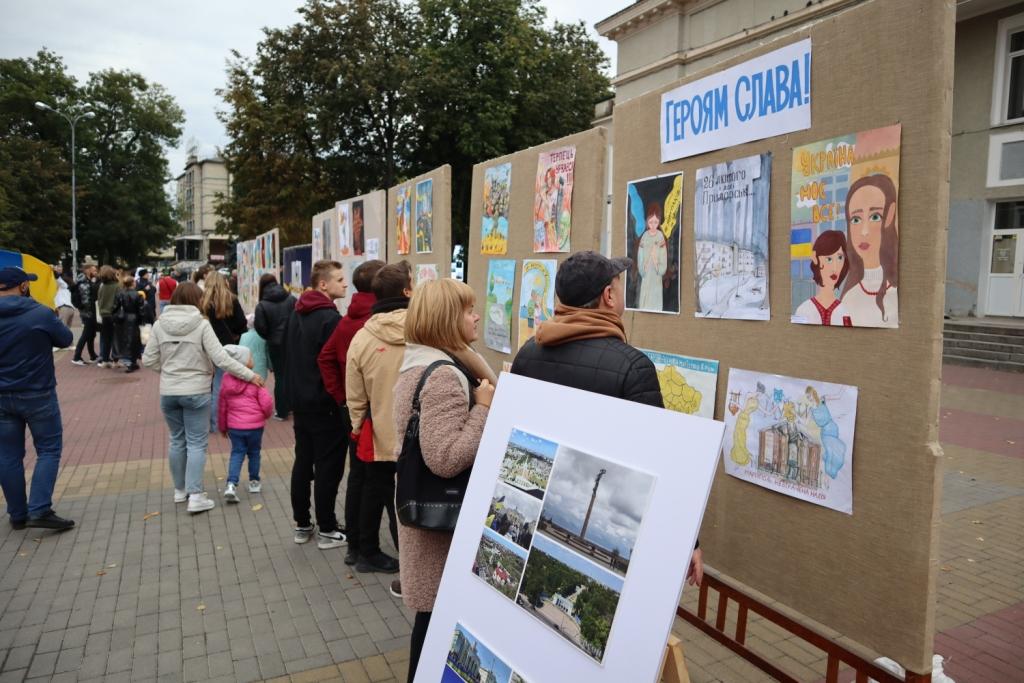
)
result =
(199, 189)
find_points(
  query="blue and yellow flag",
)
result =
(43, 290)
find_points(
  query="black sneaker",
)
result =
(352, 556)
(17, 524)
(378, 562)
(50, 521)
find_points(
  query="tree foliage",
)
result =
(123, 210)
(362, 94)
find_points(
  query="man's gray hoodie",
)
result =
(183, 348)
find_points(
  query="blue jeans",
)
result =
(218, 375)
(245, 442)
(40, 412)
(187, 420)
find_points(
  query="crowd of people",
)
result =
(392, 382)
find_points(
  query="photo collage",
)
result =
(559, 535)
(470, 661)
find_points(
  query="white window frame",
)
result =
(995, 158)
(1000, 81)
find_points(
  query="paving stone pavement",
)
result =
(141, 590)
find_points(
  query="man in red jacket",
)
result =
(332, 370)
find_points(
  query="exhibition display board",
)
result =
(549, 197)
(419, 222)
(842, 527)
(351, 232)
(256, 257)
(573, 540)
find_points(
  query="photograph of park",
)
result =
(527, 462)
(513, 514)
(595, 507)
(499, 562)
(470, 661)
(570, 594)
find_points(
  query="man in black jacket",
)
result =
(584, 345)
(270, 322)
(84, 298)
(321, 427)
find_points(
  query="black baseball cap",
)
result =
(12, 276)
(583, 276)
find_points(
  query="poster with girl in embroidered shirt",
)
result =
(844, 237)
(552, 200)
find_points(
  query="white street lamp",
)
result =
(72, 120)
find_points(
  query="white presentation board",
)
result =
(581, 490)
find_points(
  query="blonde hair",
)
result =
(435, 314)
(218, 296)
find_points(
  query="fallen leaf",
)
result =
(1010, 442)
(201, 608)
(947, 568)
(257, 507)
(111, 566)
(101, 573)
(220, 547)
(22, 554)
(970, 560)
(977, 521)
(980, 538)
(149, 515)
(349, 576)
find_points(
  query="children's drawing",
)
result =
(372, 249)
(501, 276)
(426, 272)
(552, 203)
(344, 210)
(688, 385)
(358, 228)
(731, 234)
(654, 215)
(424, 217)
(318, 242)
(794, 436)
(536, 296)
(403, 218)
(844, 239)
(494, 223)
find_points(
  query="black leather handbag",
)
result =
(423, 499)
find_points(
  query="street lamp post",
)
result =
(72, 120)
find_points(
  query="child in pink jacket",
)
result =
(242, 410)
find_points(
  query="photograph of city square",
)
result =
(470, 661)
(571, 594)
(513, 514)
(595, 507)
(499, 562)
(527, 462)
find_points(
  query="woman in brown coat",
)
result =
(440, 325)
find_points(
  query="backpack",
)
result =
(424, 500)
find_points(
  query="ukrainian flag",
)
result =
(43, 290)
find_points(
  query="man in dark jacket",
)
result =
(84, 298)
(321, 426)
(584, 345)
(145, 287)
(270, 321)
(28, 398)
(332, 370)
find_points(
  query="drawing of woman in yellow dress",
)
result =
(740, 454)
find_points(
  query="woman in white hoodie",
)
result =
(184, 349)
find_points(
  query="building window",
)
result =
(1006, 159)
(1008, 84)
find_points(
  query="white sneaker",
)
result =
(303, 534)
(80, 363)
(330, 539)
(180, 496)
(254, 486)
(229, 493)
(200, 502)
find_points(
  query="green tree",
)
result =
(123, 211)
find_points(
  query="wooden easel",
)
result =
(673, 668)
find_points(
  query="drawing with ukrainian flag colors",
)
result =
(844, 237)
(536, 296)
(688, 385)
(730, 226)
(494, 222)
(654, 214)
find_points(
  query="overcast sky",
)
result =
(182, 45)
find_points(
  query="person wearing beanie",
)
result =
(243, 409)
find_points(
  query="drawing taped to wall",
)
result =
(731, 236)
(426, 272)
(654, 215)
(498, 307)
(552, 202)
(424, 217)
(688, 385)
(844, 251)
(536, 296)
(494, 222)
(344, 213)
(358, 228)
(403, 218)
(790, 435)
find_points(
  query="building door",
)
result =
(1006, 261)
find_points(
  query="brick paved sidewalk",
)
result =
(226, 595)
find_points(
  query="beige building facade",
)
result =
(199, 189)
(661, 41)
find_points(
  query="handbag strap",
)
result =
(423, 380)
